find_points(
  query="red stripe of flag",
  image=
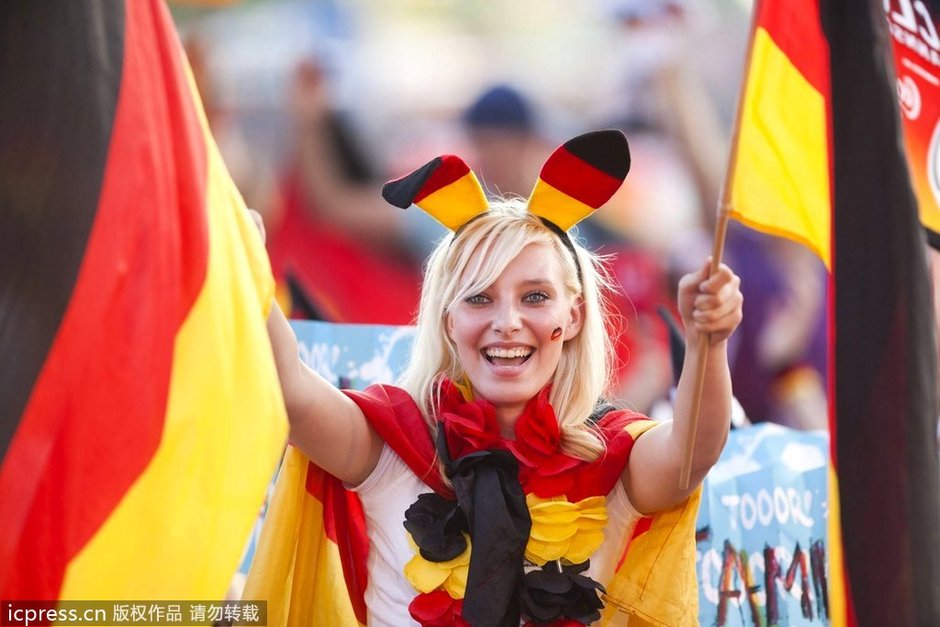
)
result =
(794, 26)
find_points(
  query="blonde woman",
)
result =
(497, 486)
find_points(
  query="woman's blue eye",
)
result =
(477, 299)
(535, 297)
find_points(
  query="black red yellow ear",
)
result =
(580, 176)
(444, 187)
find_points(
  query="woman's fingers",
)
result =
(717, 307)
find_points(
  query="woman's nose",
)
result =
(508, 319)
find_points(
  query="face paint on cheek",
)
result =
(556, 333)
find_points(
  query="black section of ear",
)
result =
(606, 150)
(401, 192)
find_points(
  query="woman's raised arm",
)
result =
(325, 424)
(712, 305)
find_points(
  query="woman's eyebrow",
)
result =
(536, 282)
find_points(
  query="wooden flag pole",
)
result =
(718, 246)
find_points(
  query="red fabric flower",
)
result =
(469, 427)
(437, 609)
(544, 469)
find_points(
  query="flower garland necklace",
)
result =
(530, 543)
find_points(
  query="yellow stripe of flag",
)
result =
(781, 182)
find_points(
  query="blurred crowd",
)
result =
(316, 104)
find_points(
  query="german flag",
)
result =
(820, 69)
(883, 351)
(781, 176)
(140, 415)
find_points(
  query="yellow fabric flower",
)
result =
(564, 530)
(427, 576)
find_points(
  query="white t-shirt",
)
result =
(392, 488)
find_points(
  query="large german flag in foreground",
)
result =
(885, 419)
(833, 59)
(140, 418)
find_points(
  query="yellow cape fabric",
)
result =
(297, 568)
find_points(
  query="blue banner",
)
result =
(762, 530)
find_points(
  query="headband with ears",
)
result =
(580, 176)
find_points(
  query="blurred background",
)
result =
(315, 103)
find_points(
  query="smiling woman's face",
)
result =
(504, 333)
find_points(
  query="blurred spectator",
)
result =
(335, 245)
(778, 356)
(253, 176)
(508, 148)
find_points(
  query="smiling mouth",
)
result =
(508, 356)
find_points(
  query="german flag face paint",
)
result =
(579, 177)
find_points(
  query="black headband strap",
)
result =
(566, 240)
(554, 228)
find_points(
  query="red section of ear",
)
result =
(450, 169)
(579, 179)
(556, 333)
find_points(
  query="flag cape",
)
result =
(883, 351)
(142, 419)
(831, 86)
(310, 565)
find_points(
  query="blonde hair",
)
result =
(470, 261)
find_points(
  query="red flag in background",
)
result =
(140, 415)
(819, 151)
(916, 44)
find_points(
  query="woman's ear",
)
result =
(449, 326)
(576, 316)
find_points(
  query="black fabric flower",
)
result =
(549, 595)
(437, 526)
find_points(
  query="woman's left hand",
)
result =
(710, 304)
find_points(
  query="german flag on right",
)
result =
(820, 159)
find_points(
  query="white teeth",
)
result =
(508, 353)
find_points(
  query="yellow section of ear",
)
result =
(457, 203)
(557, 207)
